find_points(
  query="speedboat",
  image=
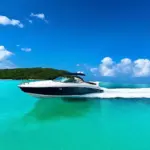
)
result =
(70, 85)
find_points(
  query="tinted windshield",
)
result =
(61, 79)
(66, 80)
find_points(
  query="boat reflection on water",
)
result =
(57, 108)
(77, 100)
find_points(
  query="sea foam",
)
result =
(122, 93)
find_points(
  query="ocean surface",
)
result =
(117, 120)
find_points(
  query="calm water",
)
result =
(27, 123)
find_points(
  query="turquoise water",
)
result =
(27, 123)
(119, 85)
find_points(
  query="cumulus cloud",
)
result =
(141, 67)
(26, 49)
(4, 53)
(126, 66)
(39, 16)
(107, 67)
(7, 21)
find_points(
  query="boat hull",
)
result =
(47, 92)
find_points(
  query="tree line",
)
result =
(31, 73)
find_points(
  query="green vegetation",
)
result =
(31, 73)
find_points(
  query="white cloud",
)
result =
(4, 53)
(106, 71)
(137, 68)
(26, 49)
(106, 67)
(30, 21)
(93, 70)
(6, 21)
(39, 16)
(141, 68)
(125, 66)
(107, 61)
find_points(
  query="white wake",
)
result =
(122, 93)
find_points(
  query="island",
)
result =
(31, 73)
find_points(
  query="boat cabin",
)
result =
(69, 79)
(72, 78)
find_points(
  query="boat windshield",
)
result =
(68, 80)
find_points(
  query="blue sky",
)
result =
(78, 35)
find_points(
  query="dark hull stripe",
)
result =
(60, 90)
